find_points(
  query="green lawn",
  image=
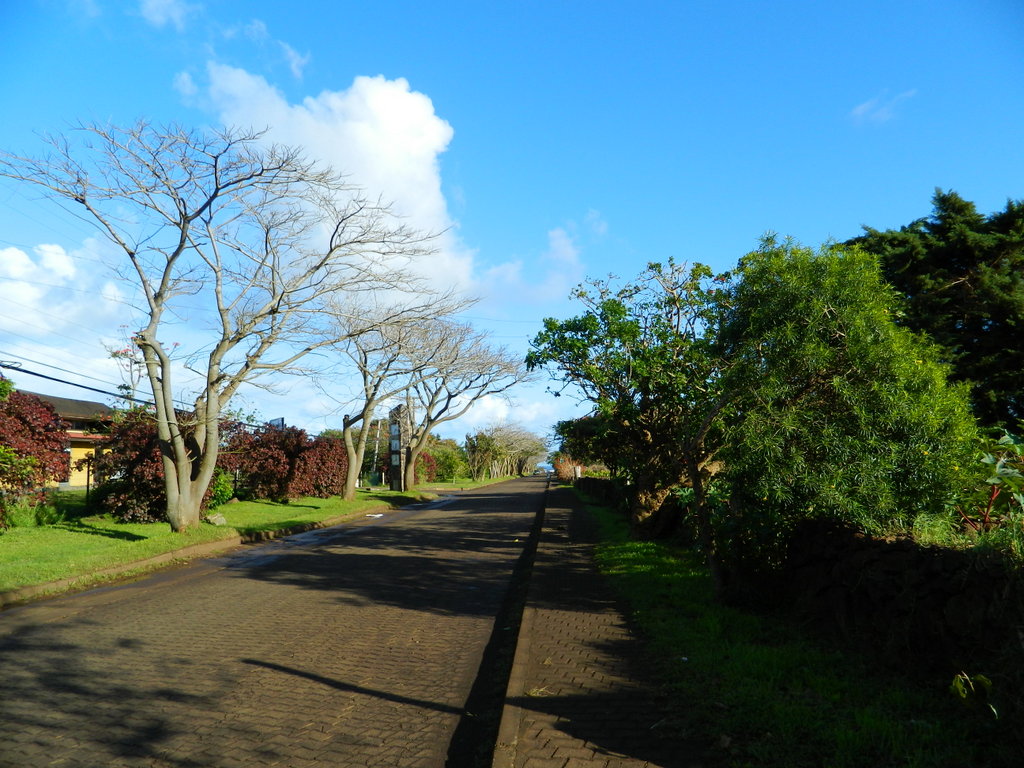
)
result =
(78, 547)
(764, 694)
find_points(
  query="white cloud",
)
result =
(256, 30)
(562, 249)
(52, 264)
(46, 292)
(296, 63)
(15, 263)
(881, 108)
(160, 13)
(185, 85)
(380, 132)
(55, 261)
(598, 226)
(554, 273)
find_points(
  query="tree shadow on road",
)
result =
(453, 560)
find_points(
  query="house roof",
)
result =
(68, 408)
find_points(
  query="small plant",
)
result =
(997, 498)
(222, 489)
(973, 691)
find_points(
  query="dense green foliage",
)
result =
(991, 505)
(962, 275)
(842, 414)
(785, 391)
(760, 691)
(449, 459)
(643, 355)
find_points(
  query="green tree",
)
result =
(481, 450)
(962, 274)
(841, 413)
(586, 439)
(449, 458)
(643, 356)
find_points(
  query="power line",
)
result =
(20, 369)
(56, 367)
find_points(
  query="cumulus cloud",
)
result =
(55, 261)
(160, 13)
(384, 135)
(881, 108)
(32, 290)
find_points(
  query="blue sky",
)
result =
(554, 140)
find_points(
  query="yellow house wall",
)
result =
(78, 477)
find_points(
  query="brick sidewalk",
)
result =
(579, 696)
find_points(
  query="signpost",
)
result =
(398, 439)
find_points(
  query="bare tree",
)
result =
(465, 368)
(268, 242)
(390, 354)
(520, 449)
(503, 449)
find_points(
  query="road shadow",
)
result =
(352, 688)
(61, 702)
(453, 560)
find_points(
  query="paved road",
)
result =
(352, 646)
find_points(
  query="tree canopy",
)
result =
(642, 355)
(841, 414)
(787, 384)
(962, 276)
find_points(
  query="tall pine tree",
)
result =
(962, 274)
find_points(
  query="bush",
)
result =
(129, 470)
(995, 497)
(321, 469)
(450, 460)
(282, 463)
(844, 416)
(565, 468)
(222, 489)
(426, 468)
(33, 449)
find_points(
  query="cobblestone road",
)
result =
(351, 646)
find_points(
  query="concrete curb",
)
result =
(104, 576)
(512, 714)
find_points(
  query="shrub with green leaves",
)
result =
(989, 511)
(842, 414)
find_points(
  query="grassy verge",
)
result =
(77, 547)
(763, 694)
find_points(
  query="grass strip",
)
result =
(762, 693)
